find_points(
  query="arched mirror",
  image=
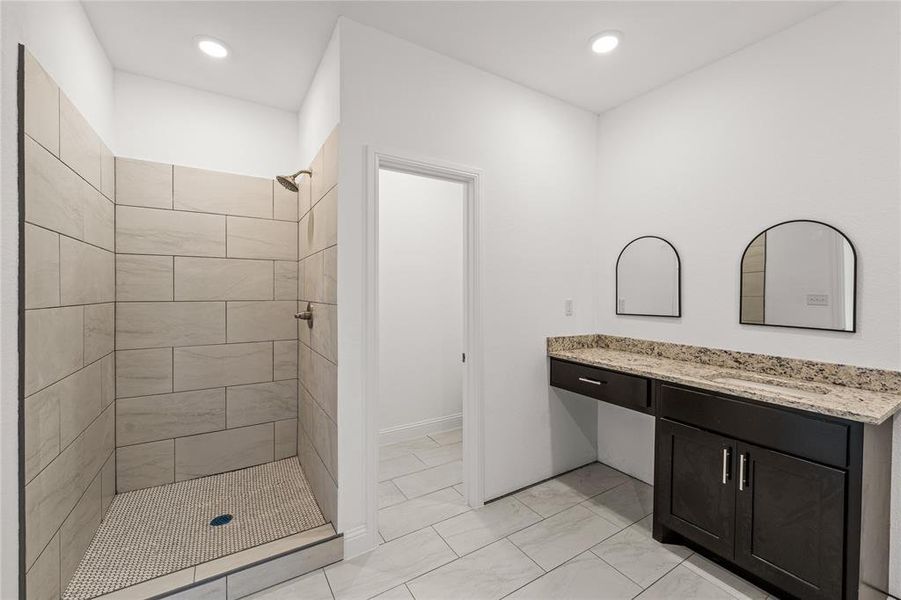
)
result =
(648, 279)
(799, 274)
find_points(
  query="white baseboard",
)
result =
(400, 433)
(358, 541)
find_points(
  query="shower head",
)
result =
(289, 182)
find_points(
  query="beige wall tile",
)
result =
(152, 231)
(312, 278)
(41, 105)
(142, 183)
(152, 418)
(77, 531)
(222, 279)
(325, 222)
(319, 184)
(285, 438)
(303, 327)
(144, 278)
(261, 403)
(55, 345)
(41, 267)
(107, 484)
(329, 178)
(201, 367)
(285, 203)
(224, 193)
(53, 493)
(305, 408)
(145, 465)
(324, 488)
(80, 401)
(87, 274)
(304, 195)
(324, 335)
(99, 327)
(108, 379)
(305, 235)
(143, 372)
(42, 581)
(330, 275)
(258, 321)
(79, 145)
(160, 324)
(324, 435)
(99, 221)
(285, 357)
(320, 377)
(286, 280)
(260, 238)
(41, 431)
(222, 451)
(55, 196)
(107, 172)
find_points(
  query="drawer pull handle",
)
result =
(592, 381)
(726, 461)
(741, 472)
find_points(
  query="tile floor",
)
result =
(585, 534)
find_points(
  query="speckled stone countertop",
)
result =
(854, 393)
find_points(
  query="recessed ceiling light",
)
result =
(212, 47)
(605, 42)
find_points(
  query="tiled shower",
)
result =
(161, 345)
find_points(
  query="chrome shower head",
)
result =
(289, 182)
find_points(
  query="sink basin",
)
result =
(768, 384)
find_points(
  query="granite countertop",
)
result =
(804, 385)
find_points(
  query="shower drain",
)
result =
(221, 520)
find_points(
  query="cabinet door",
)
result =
(695, 486)
(790, 522)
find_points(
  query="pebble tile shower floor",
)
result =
(154, 531)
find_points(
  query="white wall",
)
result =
(170, 123)
(420, 301)
(321, 107)
(539, 218)
(804, 124)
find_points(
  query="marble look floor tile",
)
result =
(639, 557)
(446, 438)
(389, 495)
(724, 579)
(582, 578)
(487, 574)
(399, 593)
(389, 565)
(559, 538)
(550, 497)
(396, 467)
(625, 504)
(684, 584)
(406, 447)
(430, 480)
(482, 526)
(312, 586)
(594, 478)
(440, 455)
(406, 517)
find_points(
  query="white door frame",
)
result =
(473, 438)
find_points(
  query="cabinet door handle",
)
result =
(726, 461)
(592, 381)
(741, 472)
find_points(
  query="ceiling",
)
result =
(276, 46)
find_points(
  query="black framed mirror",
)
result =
(649, 278)
(802, 274)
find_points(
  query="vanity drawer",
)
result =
(814, 438)
(616, 388)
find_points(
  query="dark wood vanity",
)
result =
(774, 493)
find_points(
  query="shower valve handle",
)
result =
(306, 315)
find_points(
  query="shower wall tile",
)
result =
(55, 345)
(199, 367)
(108, 379)
(79, 145)
(41, 431)
(325, 222)
(99, 329)
(55, 196)
(261, 403)
(285, 203)
(87, 273)
(144, 278)
(329, 173)
(324, 335)
(99, 221)
(154, 231)
(258, 321)
(320, 377)
(107, 172)
(286, 280)
(210, 453)
(223, 279)
(285, 438)
(42, 581)
(145, 465)
(312, 278)
(107, 483)
(80, 401)
(303, 328)
(42, 267)
(330, 275)
(224, 193)
(152, 418)
(143, 372)
(261, 238)
(285, 357)
(324, 435)
(78, 529)
(142, 183)
(159, 324)
(324, 487)
(304, 195)
(42, 100)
